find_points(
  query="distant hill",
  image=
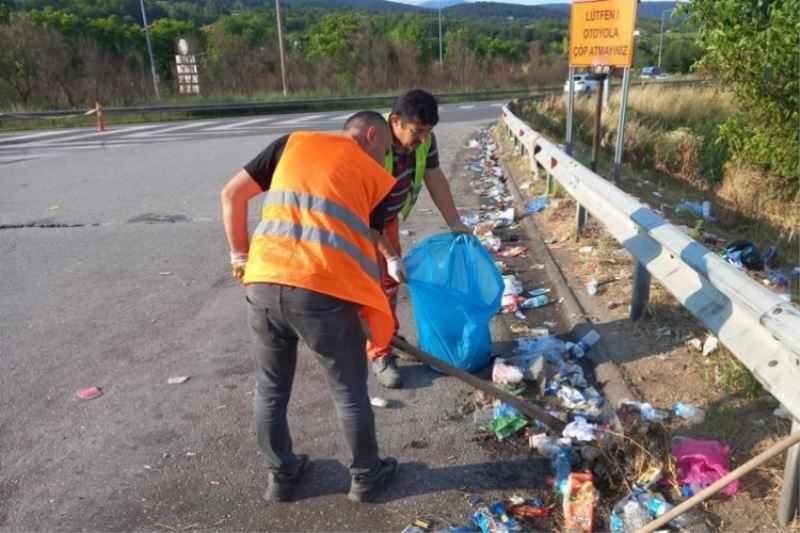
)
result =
(502, 11)
(374, 6)
(436, 4)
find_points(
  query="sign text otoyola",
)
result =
(601, 33)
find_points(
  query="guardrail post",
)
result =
(623, 106)
(790, 492)
(641, 291)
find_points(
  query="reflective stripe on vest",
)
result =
(421, 159)
(291, 230)
(315, 203)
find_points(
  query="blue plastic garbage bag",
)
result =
(455, 291)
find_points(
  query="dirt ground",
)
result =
(657, 363)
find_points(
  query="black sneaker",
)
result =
(281, 485)
(386, 371)
(365, 487)
(403, 356)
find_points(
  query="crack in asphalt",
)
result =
(46, 225)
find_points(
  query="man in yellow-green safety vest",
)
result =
(414, 159)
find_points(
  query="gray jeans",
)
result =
(278, 316)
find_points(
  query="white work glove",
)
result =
(459, 228)
(395, 268)
(238, 262)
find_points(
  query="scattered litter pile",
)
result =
(612, 467)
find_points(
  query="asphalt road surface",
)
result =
(114, 273)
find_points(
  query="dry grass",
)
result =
(742, 191)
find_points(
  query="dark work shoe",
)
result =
(386, 371)
(366, 487)
(403, 356)
(281, 485)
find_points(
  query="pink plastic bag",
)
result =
(702, 462)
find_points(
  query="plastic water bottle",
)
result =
(534, 302)
(580, 348)
(483, 416)
(548, 446)
(591, 287)
(628, 515)
(657, 506)
(648, 412)
(562, 468)
(689, 412)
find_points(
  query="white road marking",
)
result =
(241, 124)
(341, 118)
(174, 128)
(299, 120)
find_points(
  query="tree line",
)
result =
(73, 52)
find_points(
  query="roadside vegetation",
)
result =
(69, 53)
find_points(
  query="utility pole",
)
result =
(280, 45)
(441, 60)
(149, 50)
(661, 37)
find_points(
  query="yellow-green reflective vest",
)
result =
(421, 156)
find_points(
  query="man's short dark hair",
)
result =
(417, 106)
(364, 119)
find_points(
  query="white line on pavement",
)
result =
(241, 124)
(174, 128)
(299, 120)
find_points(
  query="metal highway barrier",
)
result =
(290, 105)
(758, 327)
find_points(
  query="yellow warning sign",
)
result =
(601, 33)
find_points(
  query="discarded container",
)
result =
(534, 302)
(650, 477)
(657, 506)
(689, 412)
(591, 287)
(562, 468)
(482, 417)
(580, 348)
(548, 445)
(628, 516)
(90, 393)
(578, 502)
(648, 412)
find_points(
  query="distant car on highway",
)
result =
(653, 73)
(584, 84)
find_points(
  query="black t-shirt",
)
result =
(262, 167)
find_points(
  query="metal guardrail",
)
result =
(281, 105)
(762, 330)
(759, 328)
(269, 105)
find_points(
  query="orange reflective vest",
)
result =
(314, 231)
